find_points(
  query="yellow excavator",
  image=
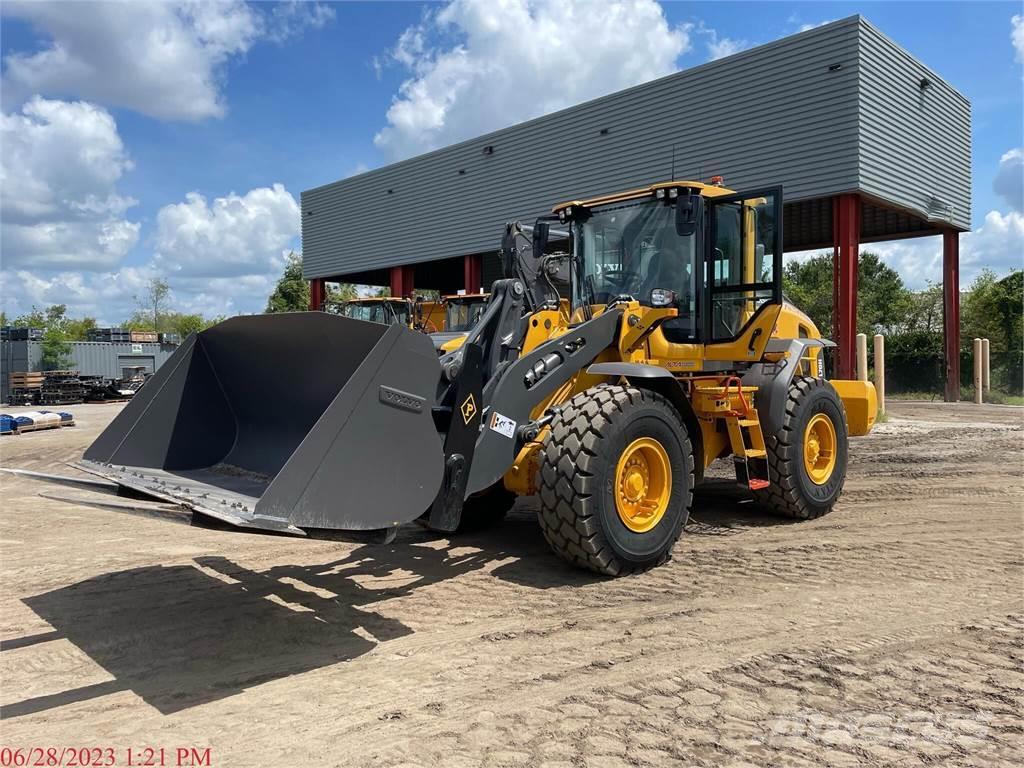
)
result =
(678, 350)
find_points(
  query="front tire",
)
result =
(616, 480)
(807, 460)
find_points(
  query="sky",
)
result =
(172, 140)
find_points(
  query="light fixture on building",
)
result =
(489, 149)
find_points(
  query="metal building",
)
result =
(89, 358)
(868, 143)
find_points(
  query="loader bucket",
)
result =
(285, 422)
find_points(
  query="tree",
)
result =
(153, 301)
(291, 294)
(883, 300)
(78, 330)
(339, 292)
(993, 309)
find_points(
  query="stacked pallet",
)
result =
(9, 333)
(113, 335)
(140, 337)
(62, 388)
(25, 386)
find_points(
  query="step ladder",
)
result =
(749, 454)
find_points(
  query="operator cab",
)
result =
(388, 310)
(461, 311)
(711, 254)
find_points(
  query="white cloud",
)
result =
(815, 24)
(998, 244)
(163, 59)
(59, 167)
(720, 47)
(234, 235)
(1017, 36)
(477, 65)
(110, 296)
(1009, 180)
(289, 20)
(220, 257)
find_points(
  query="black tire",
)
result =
(578, 512)
(792, 492)
(486, 509)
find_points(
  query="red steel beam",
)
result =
(317, 293)
(402, 281)
(472, 272)
(846, 244)
(951, 311)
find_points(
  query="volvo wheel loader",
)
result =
(377, 309)
(679, 349)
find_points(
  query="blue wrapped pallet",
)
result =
(7, 424)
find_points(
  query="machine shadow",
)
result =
(184, 635)
(179, 636)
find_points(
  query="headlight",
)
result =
(661, 297)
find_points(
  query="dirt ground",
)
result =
(889, 632)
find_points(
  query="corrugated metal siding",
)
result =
(774, 114)
(90, 358)
(915, 144)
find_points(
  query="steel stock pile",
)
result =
(675, 350)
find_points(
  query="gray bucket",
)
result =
(286, 422)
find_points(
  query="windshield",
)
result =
(462, 315)
(632, 249)
(386, 312)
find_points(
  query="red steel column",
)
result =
(473, 273)
(951, 311)
(846, 244)
(401, 281)
(317, 293)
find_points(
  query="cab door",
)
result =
(742, 267)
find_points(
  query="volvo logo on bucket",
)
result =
(400, 399)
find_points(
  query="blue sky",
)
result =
(139, 165)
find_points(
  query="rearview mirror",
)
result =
(689, 212)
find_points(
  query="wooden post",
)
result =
(977, 372)
(880, 370)
(862, 357)
(986, 380)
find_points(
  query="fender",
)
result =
(656, 379)
(773, 379)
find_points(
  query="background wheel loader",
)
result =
(678, 349)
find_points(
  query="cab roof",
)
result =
(373, 299)
(708, 190)
(464, 296)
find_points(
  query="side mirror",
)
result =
(540, 238)
(689, 212)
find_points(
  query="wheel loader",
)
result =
(377, 309)
(678, 350)
(459, 313)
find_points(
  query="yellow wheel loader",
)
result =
(389, 310)
(678, 349)
(460, 313)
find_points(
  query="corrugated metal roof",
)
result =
(811, 111)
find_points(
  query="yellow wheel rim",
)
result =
(643, 484)
(820, 448)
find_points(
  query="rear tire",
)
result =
(602, 441)
(805, 482)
